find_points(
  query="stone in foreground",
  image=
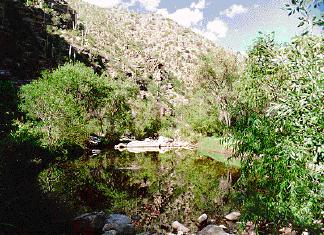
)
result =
(202, 218)
(89, 223)
(119, 225)
(233, 216)
(180, 227)
(212, 230)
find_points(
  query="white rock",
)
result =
(287, 231)
(202, 218)
(235, 215)
(212, 221)
(180, 227)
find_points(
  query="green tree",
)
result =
(216, 75)
(68, 104)
(279, 132)
(203, 115)
(147, 120)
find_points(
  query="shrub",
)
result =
(146, 118)
(203, 115)
(67, 105)
(279, 132)
(206, 112)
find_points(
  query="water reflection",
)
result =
(156, 188)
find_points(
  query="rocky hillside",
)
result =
(39, 34)
(137, 44)
(27, 45)
(159, 55)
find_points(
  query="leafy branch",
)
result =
(307, 9)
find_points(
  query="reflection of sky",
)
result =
(230, 23)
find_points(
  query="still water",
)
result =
(155, 188)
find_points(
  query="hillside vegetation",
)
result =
(159, 56)
(143, 46)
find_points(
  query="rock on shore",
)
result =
(99, 222)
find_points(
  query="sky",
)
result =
(233, 24)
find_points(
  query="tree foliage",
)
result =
(147, 120)
(279, 131)
(309, 16)
(65, 106)
(209, 103)
(204, 115)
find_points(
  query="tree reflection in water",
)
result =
(159, 188)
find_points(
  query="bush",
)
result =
(67, 105)
(146, 118)
(279, 132)
(203, 115)
(206, 112)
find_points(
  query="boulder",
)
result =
(164, 140)
(95, 152)
(222, 226)
(202, 218)
(94, 140)
(110, 232)
(212, 230)
(202, 221)
(233, 216)
(287, 231)
(180, 227)
(89, 223)
(118, 224)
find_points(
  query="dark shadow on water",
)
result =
(23, 206)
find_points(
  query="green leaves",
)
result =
(278, 131)
(207, 112)
(309, 15)
(67, 105)
(301, 24)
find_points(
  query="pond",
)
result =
(155, 188)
